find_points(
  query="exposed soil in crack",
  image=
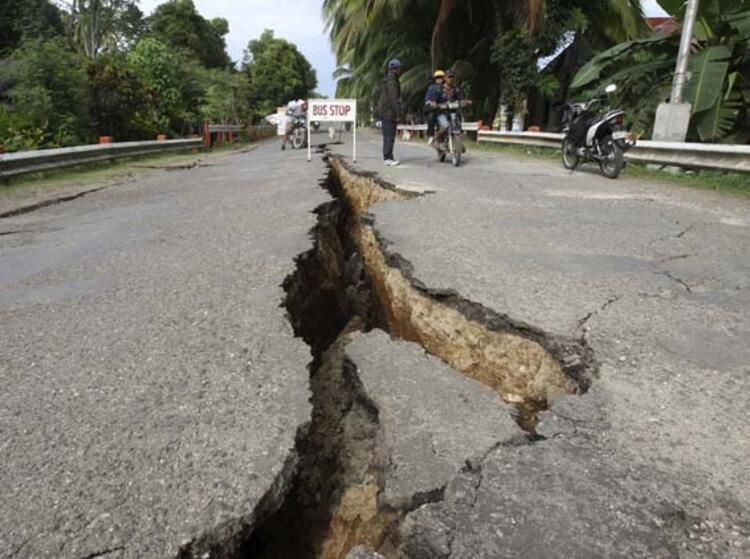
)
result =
(349, 282)
(524, 365)
(333, 505)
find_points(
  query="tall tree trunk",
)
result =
(440, 32)
(497, 8)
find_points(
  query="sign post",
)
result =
(332, 110)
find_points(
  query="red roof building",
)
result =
(663, 25)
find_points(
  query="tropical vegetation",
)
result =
(495, 45)
(719, 83)
(73, 70)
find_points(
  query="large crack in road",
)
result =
(349, 282)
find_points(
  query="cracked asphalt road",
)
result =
(151, 386)
(652, 461)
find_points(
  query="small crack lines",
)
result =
(45, 203)
(20, 547)
(582, 323)
(105, 552)
(685, 231)
(675, 279)
(677, 257)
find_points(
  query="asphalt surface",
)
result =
(652, 461)
(151, 385)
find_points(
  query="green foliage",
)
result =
(49, 94)
(103, 26)
(96, 67)
(225, 96)
(26, 19)
(518, 71)
(178, 23)
(277, 72)
(719, 85)
(121, 105)
(708, 68)
(472, 36)
(17, 132)
(156, 66)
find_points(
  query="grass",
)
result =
(91, 173)
(737, 184)
(104, 171)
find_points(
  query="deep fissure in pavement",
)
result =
(348, 282)
(524, 365)
(333, 504)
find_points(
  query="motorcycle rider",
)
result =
(449, 91)
(437, 82)
(295, 109)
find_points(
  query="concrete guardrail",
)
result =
(723, 157)
(24, 162)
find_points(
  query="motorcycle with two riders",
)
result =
(447, 109)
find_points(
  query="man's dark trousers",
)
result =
(389, 138)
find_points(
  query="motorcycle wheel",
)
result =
(458, 146)
(570, 157)
(612, 160)
(298, 138)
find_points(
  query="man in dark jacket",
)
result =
(390, 110)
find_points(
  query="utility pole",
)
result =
(673, 118)
(683, 55)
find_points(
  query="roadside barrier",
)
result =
(24, 162)
(723, 157)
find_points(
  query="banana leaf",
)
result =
(718, 121)
(592, 70)
(672, 7)
(740, 23)
(709, 69)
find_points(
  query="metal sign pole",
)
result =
(309, 127)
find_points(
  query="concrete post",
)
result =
(673, 118)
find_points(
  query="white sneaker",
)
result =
(430, 140)
(395, 163)
(388, 162)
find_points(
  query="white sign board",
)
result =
(332, 110)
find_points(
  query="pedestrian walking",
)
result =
(390, 110)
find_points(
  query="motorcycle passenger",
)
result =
(437, 82)
(449, 91)
(295, 110)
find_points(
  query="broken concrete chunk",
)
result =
(434, 419)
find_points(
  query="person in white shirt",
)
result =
(295, 109)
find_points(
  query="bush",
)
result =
(50, 93)
(121, 105)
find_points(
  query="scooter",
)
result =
(592, 135)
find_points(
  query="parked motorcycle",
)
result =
(453, 142)
(594, 135)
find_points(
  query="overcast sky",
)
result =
(298, 21)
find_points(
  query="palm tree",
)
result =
(428, 34)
